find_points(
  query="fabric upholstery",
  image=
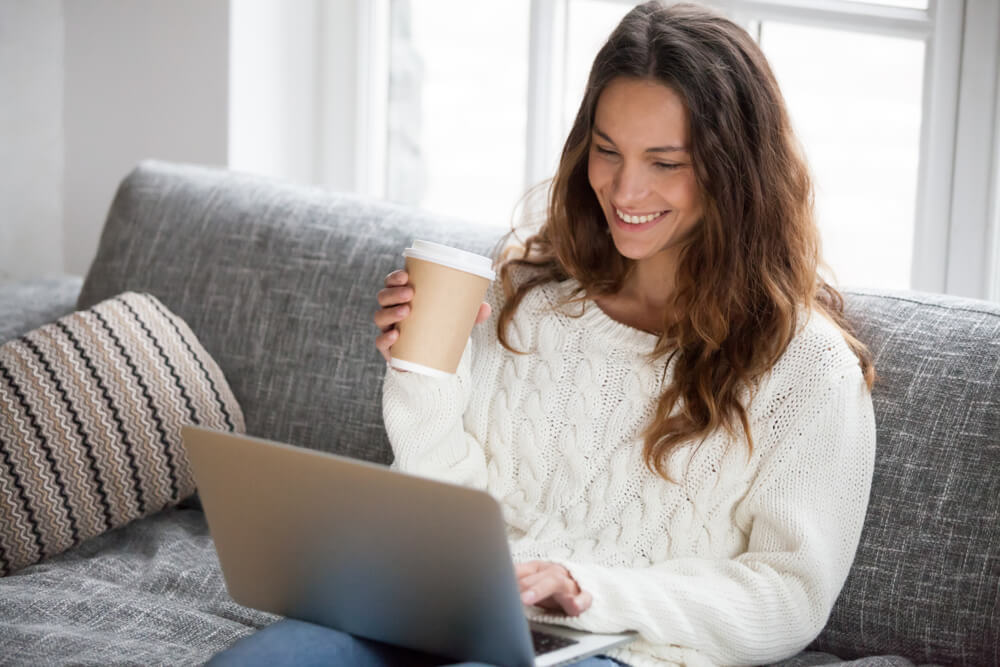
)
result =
(29, 304)
(926, 580)
(91, 408)
(278, 282)
(815, 658)
(149, 593)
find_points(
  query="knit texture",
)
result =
(738, 561)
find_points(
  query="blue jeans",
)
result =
(290, 642)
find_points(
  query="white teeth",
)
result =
(637, 219)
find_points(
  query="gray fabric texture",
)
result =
(149, 593)
(926, 580)
(815, 659)
(278, 283)
(27, 305)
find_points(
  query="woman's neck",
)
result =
(643, 300)
(650, 283)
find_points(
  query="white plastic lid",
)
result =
(462, 260)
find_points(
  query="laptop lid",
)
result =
(357, 547)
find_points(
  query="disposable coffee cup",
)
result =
(448, 286)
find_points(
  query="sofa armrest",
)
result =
(28, 304)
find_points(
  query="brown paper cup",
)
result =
(443, 311)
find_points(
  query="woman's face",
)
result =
(640, 168)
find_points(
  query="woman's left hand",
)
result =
(551, 586)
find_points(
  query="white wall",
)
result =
(31, 138)
(144, 79)
(90, 87)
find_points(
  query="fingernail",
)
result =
(528, 597)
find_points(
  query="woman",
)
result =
(669, 407)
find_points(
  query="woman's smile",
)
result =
(639, 221)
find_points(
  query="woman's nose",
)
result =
(631, 184)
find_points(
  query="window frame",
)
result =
(939, 26)
(973, 241)
(956, 243)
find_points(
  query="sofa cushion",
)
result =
(816, 658)
(926, 580)
(149, 593)
(278, 282)
(91, 408)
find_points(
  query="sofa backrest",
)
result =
(926, 580)
(279, 283)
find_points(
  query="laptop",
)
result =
(376, 553)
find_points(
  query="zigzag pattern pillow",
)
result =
(91, 409)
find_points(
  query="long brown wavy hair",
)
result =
(750, 266)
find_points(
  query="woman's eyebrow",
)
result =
(655, 149)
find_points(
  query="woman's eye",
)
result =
(604, 151)
(665, 165)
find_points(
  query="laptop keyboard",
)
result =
(546, 643)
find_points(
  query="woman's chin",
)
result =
(629, 249)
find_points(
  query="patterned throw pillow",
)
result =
(91, 409)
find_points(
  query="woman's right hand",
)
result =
(394, 302)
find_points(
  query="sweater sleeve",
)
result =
(805, 509)
(423, 418)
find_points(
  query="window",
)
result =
(893, 100)
(457, 102)
(855, 102)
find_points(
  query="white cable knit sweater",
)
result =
(740, 562)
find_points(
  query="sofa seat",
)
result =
(152, 593)
(149, 593)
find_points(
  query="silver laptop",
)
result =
(373, 552)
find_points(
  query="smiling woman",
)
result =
(729, 264)
(666, 363)
(669, 408)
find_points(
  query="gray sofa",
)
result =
(279, 282)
